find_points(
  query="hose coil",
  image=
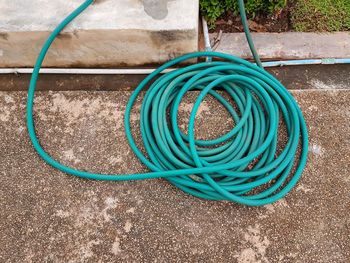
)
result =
(240, 166)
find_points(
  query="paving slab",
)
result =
(288, 45)
(108, 34)
(48, 216)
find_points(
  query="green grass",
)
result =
(321, 15)
(306, 15)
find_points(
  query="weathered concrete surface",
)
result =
(109, 33)
(289, 45)
(47, 216)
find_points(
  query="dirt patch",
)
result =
(278, 22)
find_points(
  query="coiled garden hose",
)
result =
(240, 166)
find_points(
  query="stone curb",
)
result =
(288, 45)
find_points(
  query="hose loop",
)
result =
(241, 166)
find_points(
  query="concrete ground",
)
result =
(48, 216)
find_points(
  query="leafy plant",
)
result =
(213, 9)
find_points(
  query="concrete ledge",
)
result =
(107, 34)
(289, 45)
(97, 48)
(293, 77)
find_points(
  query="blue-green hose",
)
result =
(214, 169)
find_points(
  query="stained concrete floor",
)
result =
(48, 216)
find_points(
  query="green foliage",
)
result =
(213, 9)
(321, 15)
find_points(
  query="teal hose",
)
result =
(240, 166)
(247, 33)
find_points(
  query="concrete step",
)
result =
(50, 216)
(108, 34)
(287, 45)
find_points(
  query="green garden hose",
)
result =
(240, 166)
